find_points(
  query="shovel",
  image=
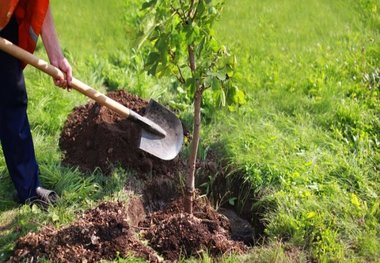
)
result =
(162, 133)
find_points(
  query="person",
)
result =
(22, 22)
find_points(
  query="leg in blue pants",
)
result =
(15, 135)
(18, 149)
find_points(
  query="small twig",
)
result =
(181, 78)
(193, 66)
(195, 12)
(176, 11)
(189, 14)
(140, 228)
(202, 88)
(207, 220)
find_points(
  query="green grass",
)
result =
(307, 141)
(87, 28)
(309, 138)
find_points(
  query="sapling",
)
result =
(179, 41)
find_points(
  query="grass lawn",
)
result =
(307, 142)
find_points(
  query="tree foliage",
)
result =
(170, 28)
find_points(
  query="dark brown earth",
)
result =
(100, 233)
(109, 231)
(174, 233)
(94, 137)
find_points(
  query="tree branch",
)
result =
(190, 180)
(190, 12)
(190, 50)
(176, 11)
(180, 78)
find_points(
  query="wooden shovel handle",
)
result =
(76, 84)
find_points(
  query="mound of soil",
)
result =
(176, 234)
(100, 233)
(110, 231)
(96, 137)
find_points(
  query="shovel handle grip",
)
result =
(54, 72)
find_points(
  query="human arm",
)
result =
(54, 52)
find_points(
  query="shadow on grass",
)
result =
(228, 187)
(7, 194)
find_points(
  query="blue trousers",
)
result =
(15, 135)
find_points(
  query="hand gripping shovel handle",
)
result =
(76, 84)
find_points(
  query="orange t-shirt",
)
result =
(6, 10)
(30, 16)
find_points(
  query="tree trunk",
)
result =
(190, 180)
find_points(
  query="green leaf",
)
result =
(221, 75)
(54, 217)
(236, 96)
(163, 48)
(214, 45)
(311, 214)
(375, 208)
(152, 58)
(232, 200)
(162, 43)
(216, 85)
(153, 69)
(222, 98)
(212, 10)
(355, 200)
(239, 97)
(201, 8)
(207, 82)
(190, 84)
(201, 45)
(148, 4)
(35, 209)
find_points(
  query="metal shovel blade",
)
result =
(167, 147)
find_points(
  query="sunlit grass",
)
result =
(309, 132)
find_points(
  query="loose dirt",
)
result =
(107, 232)
(94, 137)
(174, 233)
(100, 233)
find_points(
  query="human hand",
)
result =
(66, 69)
(54, 52)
